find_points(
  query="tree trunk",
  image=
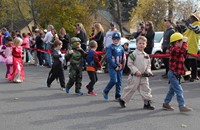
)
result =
(119, 16)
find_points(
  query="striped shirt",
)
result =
(196, 29)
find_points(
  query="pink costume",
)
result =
(7, 58)
(18, 68)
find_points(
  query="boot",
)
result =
(122, 103)
(185, 109)
(147, 105)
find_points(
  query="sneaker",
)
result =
(191, 80)
(185, 109)
(100, 71)
(92, 93)
(62, 89)
(147, 106)
(167, 107)
(67, 90)
(79, 93)
(105, 95)
(117, 99)
(122, 103)
(48, 85)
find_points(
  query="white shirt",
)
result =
(108, 38)
(48, 37)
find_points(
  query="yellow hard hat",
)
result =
(175, 37)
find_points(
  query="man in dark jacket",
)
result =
(166, 43)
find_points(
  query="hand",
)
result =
(138, 74)
(151, 74)
(117, 68)
(71, 51)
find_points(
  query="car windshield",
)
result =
(158, 37)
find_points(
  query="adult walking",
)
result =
(166, 44)
(193, 35)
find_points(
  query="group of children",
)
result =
(11, 55)
(138, 63)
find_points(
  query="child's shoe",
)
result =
(67, 90)
(79, 93)
(48, 85)
(105, 95)
(185, 109)
(147, 105)
(62, 89)
(92, 93)
(122, 103)
(167, 107)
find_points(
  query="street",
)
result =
(32, 106)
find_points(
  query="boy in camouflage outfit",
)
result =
(75, 55)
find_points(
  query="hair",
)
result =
(56, 43)
(98, 28)
(9, 38)
(141, 38)
(17, 41)
(150, 25)
(4, 29)
(24, 35)
(50, 26)
(92, 44)
(63, 30)
(81, 27)
(126, 43)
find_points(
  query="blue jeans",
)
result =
(115, 79)
(47, 55)
(175, 87)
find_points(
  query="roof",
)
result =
(17, 25)
(107, 15)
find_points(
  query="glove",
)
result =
(185, 21)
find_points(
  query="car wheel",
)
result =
(156, 63)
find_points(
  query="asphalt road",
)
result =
(32, 106)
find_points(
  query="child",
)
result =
(127, 50)
(176, 69)
(116, 59)
(140, 66)
(57, 71)
(18, 68)
(6, 55)
(75, 56)
(93, 65)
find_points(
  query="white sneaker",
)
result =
(100, 71)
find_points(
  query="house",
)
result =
(21, 26)
(105, 17)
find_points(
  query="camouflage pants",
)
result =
(75, 76)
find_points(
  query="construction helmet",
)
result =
(175, 37)
(75, 39)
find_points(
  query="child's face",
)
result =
(9, 43)
(179, 43)
(59, 47)
(116, 41)
(141, 44)
(125, 46)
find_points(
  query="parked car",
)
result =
(156, 63)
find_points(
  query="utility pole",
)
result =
(119, 16)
